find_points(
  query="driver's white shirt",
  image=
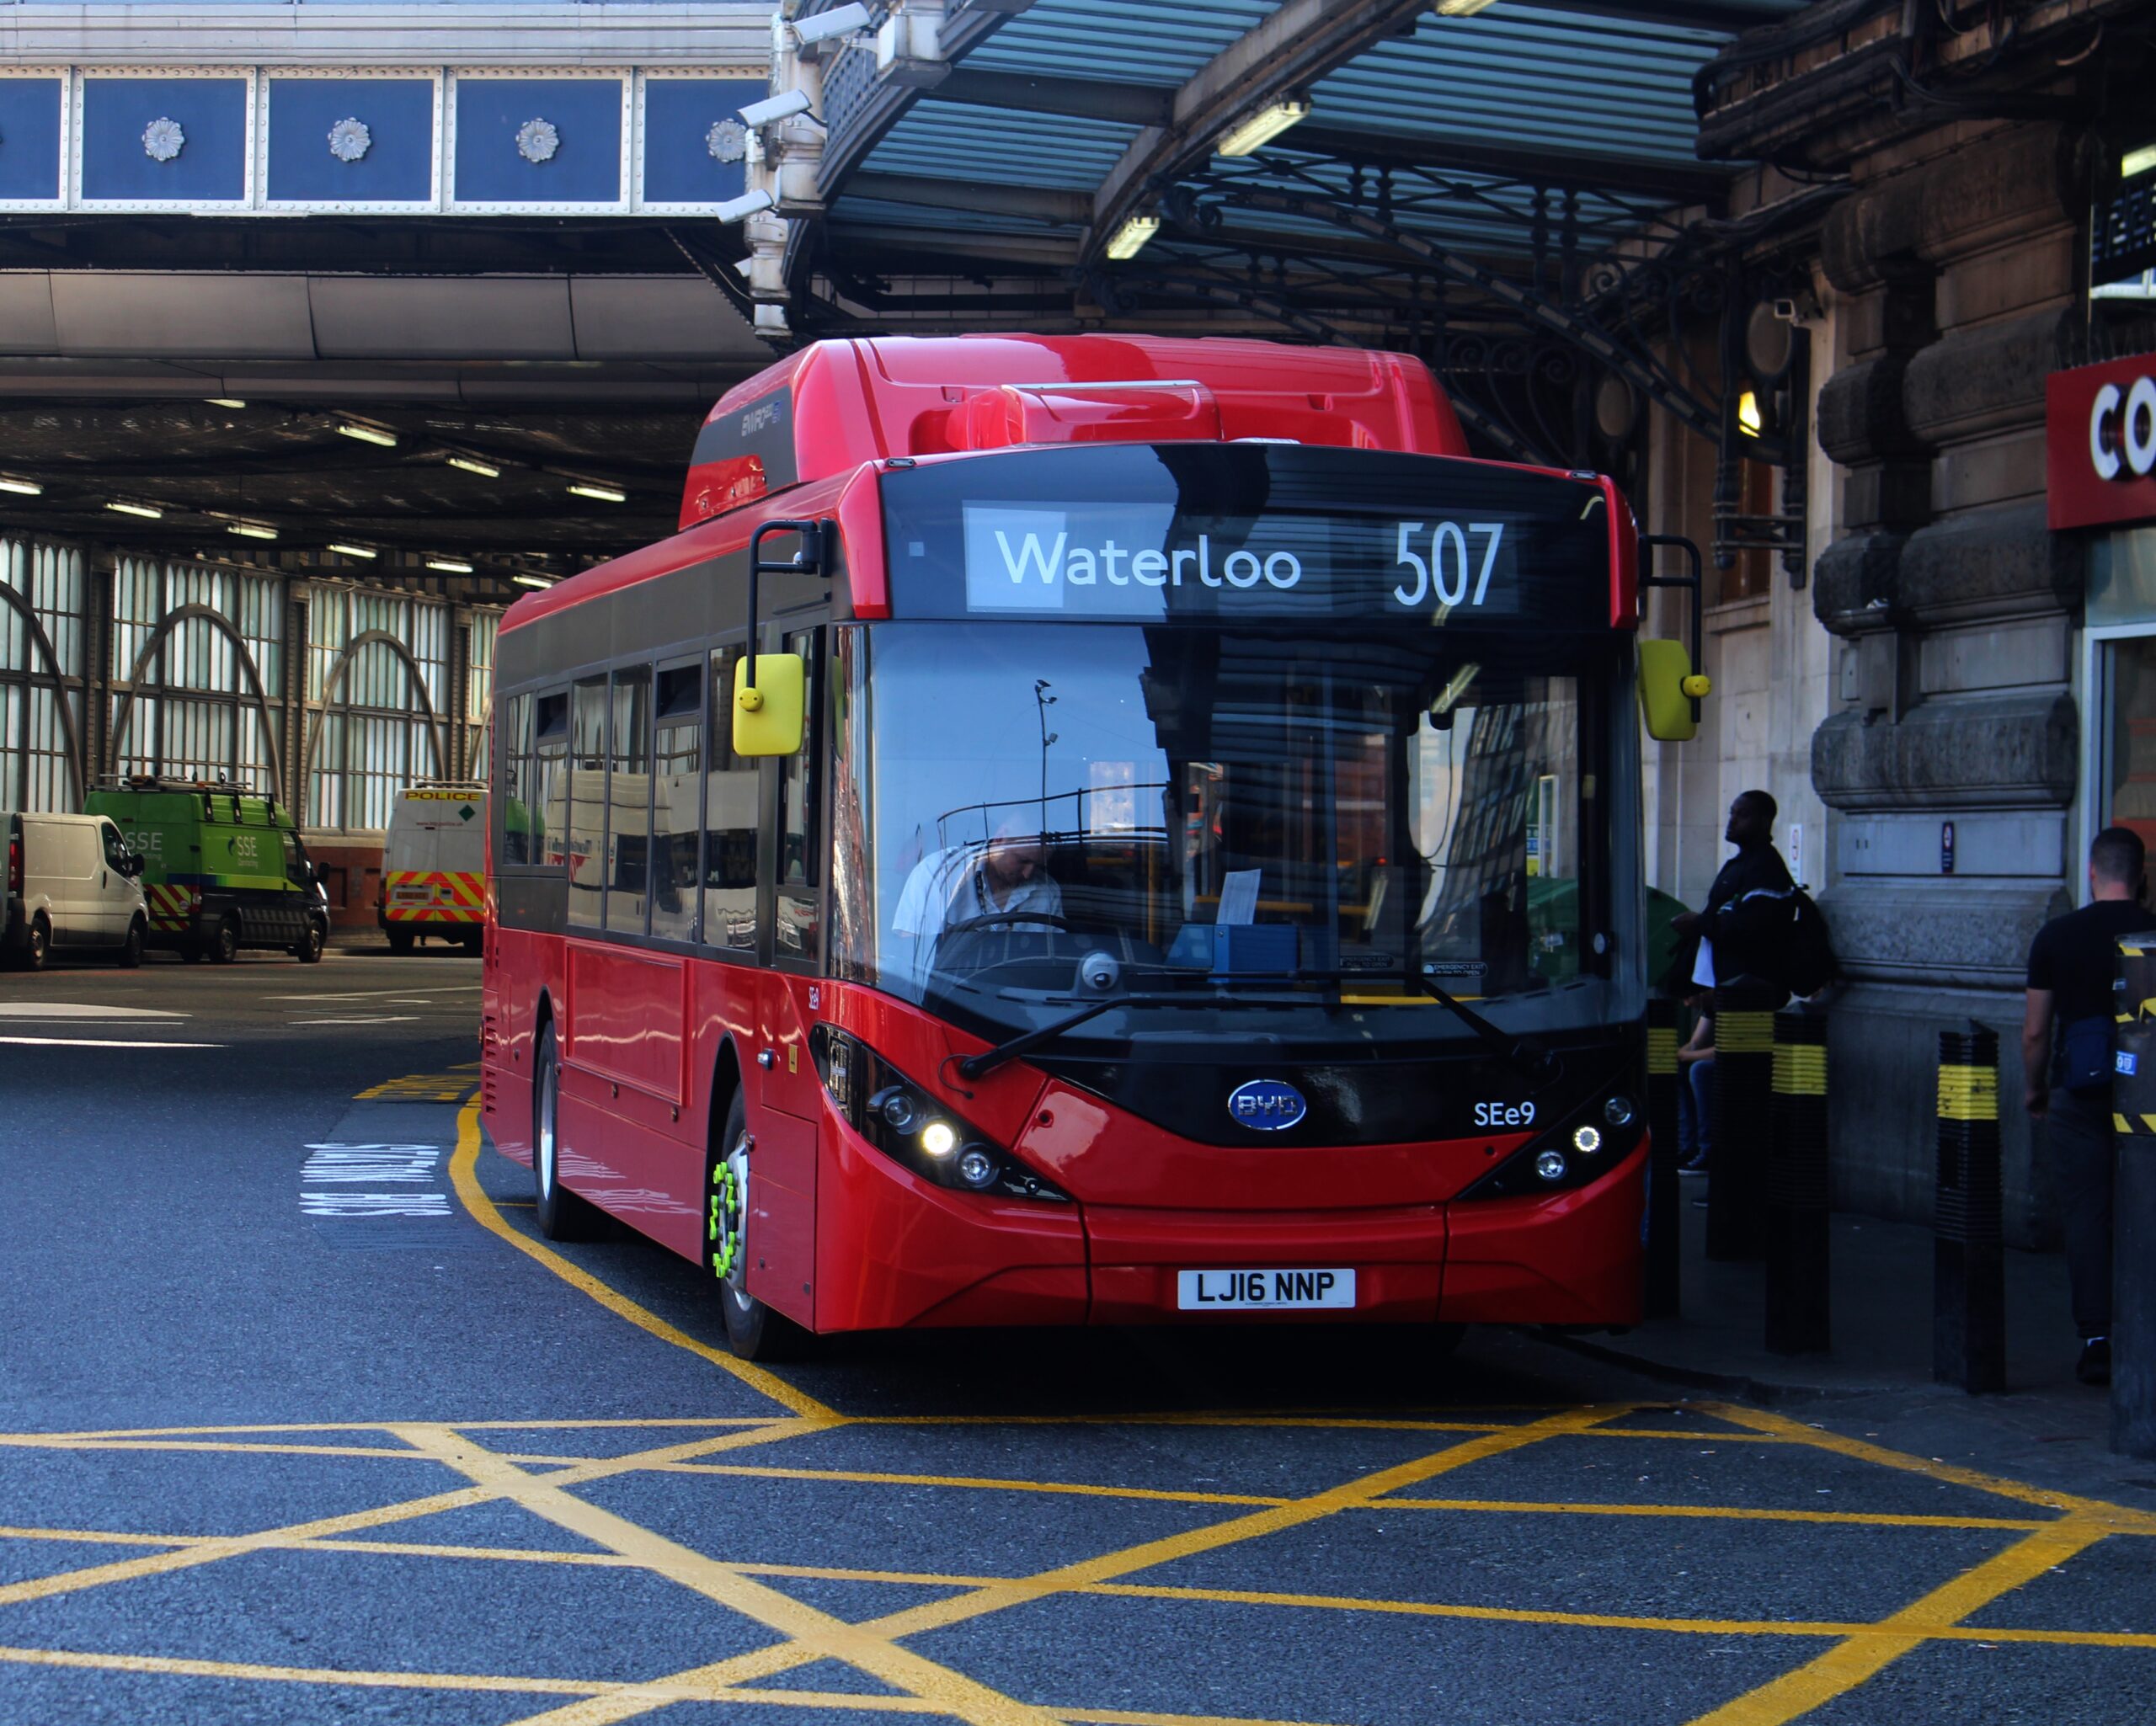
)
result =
(949, 887)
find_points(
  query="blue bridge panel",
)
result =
(210, 114)
(30, 138)
(678, 116)
(398, 165)
(585, 166)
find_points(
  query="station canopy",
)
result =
(1481, 180)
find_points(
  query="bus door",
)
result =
(782, 1185)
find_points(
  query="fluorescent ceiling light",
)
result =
(21, 487)
(2137, 162)
(146, 511)
(368, 435)
(742, 208)
(252, 531)
(1132, 236)
(353, 551)
(472, 464)
(224, 401)
(604, 494)
(837, 22)
(450, 565)
(1260, 128)
(773, 109)
(540, 581)
(1460, 8)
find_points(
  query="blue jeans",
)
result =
(1695, 1112)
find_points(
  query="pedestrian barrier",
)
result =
(1969, 1316)
(1744, 1094)
(2134, 1204)
(1798, 1303)
(1663, 1216)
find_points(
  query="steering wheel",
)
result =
(996, 917)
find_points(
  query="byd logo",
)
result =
(1268, 1104)
(2123, 429)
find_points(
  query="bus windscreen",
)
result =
(1218, 533)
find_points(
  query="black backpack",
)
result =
(1778, 935)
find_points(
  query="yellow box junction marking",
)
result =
(459, 1085)
(2065, 1526)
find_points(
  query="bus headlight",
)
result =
(920, 1132)
(1587, 1140)
(1618, 1112)
(1550, 1164)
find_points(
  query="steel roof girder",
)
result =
(1289, 49)
(1596, 342)
(989, 197)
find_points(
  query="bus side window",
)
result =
(628, 803)
(732, 787)
(800, 871)
(548, 780)
(587, 789)
(677, 707)
(513, 778)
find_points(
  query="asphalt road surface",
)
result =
(298, 1422)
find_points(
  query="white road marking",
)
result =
(379, 1019)
(331, 1168)
(97, 1042)
(375, 994)
(79, 1009)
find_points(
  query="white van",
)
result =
(73, 887)
(434, 866)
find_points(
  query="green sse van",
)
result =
(223, 870)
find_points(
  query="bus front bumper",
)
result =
(897, 1252)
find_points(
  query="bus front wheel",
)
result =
(753, 1330)
(560, 1213)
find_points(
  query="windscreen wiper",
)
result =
(975, 1066)
(1529, 1058)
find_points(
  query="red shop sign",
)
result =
(2099, 425)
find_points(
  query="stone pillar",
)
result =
(1951, 763)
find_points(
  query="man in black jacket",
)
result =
(1756, 867)
(2073, 969)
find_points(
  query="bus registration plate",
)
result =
(1249, 1291)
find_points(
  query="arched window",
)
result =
(378, 667)
(41, 700)
(190, 709)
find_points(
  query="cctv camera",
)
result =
(772, 109)
(838, 21)
(742, 208)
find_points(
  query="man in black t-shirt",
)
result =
(2073, 970)
(1757, 868)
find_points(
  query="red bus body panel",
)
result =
(844, 1238)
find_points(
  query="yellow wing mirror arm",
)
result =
(1695, 685)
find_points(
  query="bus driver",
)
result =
(974, 886)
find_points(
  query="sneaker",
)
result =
(2095, 1366)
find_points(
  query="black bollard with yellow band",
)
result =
(1798, 1309)
(1744, 1094)
(1663, 1216)
(1968, 1317)
(2133, 1203)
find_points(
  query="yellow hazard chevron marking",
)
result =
(433, 896)
(1968, 1093)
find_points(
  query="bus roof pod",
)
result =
(838, 405)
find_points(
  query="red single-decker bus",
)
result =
(1089, 829)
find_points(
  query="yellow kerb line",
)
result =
(462, 1166)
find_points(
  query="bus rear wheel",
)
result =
(560, 1213)
(753, 1330)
